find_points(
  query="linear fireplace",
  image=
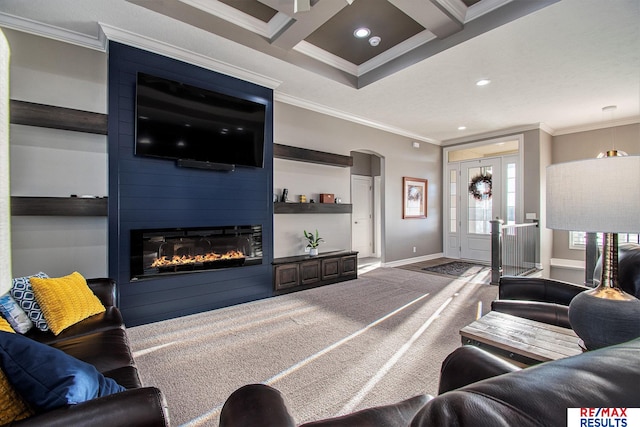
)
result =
(156, 252)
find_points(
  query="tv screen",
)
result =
(179, 121)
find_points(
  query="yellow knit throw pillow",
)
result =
(65, 301)
(5, 326)
(12, 407)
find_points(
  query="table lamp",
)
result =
(599, 195)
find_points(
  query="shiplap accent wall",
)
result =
(155, 193)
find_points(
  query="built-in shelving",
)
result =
(311, 156)
(58, 206)
(49, 116)
(302, 208)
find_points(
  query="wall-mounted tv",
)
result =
(196, 126)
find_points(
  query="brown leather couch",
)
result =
(477, 389)
(101, 340)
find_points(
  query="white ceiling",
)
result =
(557, 67)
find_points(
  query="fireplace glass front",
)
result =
(183, 250)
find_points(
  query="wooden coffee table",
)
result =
(524, 342)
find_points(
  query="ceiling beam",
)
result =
(303, 23)
(432, 15)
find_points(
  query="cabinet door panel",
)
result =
(349, 265)
(309, 272)
(286, 276)
(330, 268)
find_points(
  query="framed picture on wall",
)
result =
(414, 198)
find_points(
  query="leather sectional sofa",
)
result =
(101, 341)
(478, 389)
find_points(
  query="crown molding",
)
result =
(493, 134)
(52, 32)
(483, 7)
(231, 14)
(107, 32)
(596, 126)
(396, 51)
(455, 7)
(322, 55)
(171, 51)
(548, 129)
(318, 108)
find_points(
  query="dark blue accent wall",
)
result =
(155, 193)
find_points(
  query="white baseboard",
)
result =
(569, 264)
(412, 260)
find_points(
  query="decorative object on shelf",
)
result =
(285, 194)
(313, 242)
(414, 197)
(480, 187)
(303, 198)
(326, 198)
(338, 200)
(605, 315)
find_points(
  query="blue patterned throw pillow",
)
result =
(23, 294)
(11, 311)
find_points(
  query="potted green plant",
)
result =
(313, 240)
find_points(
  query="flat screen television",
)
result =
(197, 126)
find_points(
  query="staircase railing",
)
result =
(514, 249)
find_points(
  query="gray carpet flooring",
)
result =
(330, 350)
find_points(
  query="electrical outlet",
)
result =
(414, 249)
(307, 249)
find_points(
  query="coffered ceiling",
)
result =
(553, 64)
(321, 37)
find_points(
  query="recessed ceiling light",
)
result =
(462, 127)
(362, 32)
(483, 82)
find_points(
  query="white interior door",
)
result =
(362, 216)
(477, 210)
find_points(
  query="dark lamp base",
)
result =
(601, 322)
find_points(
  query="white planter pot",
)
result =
(313, 251)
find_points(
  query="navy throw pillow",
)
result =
(48, 378)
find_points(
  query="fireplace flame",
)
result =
(186, 260)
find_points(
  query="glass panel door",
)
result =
(482, 203)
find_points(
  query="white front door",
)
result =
(362, 216)
(479, 207)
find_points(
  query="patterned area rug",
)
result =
(456, 268)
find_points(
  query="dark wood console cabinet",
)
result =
(303, 272)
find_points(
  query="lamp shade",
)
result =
(595, 195)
